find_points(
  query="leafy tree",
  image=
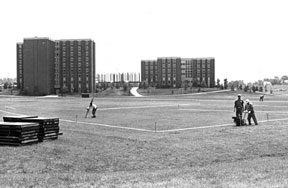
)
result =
(246, 88)
(253, 89)
(261, 89)
(218, 83)
(186, 84)
(5, 85)
(265, 87)
(225, 83)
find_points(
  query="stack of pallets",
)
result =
(17, 118)
(18, 133)
(48, 127)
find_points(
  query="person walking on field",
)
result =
(238, 107)
(251, 113)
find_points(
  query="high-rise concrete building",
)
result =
(35, 66)
(173, 71)
(75, 61)
(47, 67)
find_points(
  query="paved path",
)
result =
(134, 92)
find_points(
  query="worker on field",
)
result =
(94, 109)
(238, 107)
(250, 110)
(262, 98)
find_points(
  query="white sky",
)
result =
(248, 38)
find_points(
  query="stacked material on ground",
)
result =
(48, 127)
(17, 118)
(18, 133)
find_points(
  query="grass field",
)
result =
(160, 141)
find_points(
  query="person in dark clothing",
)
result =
(262, 98)
(238, 107)
(251, 113)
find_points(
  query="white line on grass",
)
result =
(111, 126)
(208, 110)
(159, 131)
(213, 126)
(88, 123)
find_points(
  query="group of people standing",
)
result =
(239, 107)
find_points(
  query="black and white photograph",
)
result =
(143, 94)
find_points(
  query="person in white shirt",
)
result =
(94, 109)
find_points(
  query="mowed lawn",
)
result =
(157, 141)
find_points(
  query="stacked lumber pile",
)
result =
(17, 118)
(19, 130)
(48, 127)
(18, 133)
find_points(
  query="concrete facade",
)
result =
(48, 67)
(171, 72)
(38, 66)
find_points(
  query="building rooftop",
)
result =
(37, 38)
(149, 60)
(198, 58)
(75, 40)
(169, 58)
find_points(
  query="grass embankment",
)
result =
(112, 92)
(173, 91)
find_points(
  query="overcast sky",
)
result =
(248, 38)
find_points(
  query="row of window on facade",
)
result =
(72, 86)
(57, 43)
(182, 66)
(79, 64)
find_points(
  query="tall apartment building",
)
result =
(35, 66)
(198, 71)
(75, 65)
(47, 67)
(173, 71)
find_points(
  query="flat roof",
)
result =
(149, 60)
(74, 40)
(36, 38)
(195, 58)
(169, 58)
(47, 38)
